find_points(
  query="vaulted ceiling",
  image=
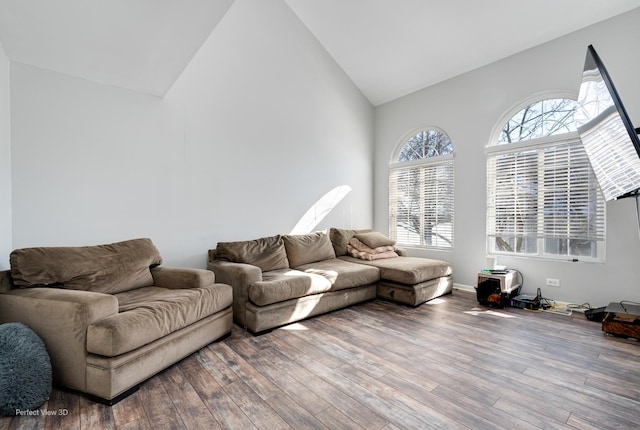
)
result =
(389, 48)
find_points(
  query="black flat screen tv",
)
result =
(609, 139)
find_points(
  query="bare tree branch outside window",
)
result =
(544, 118)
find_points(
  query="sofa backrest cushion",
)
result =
(308, 248)
(109, 269)
(340, 238)
(268, 253)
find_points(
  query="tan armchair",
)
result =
(109, 316)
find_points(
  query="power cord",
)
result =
(583, 307)
(555, 308)
(549, 305)
(539, 299)
(521, 276)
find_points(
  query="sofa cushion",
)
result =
(406, 270)
(343, 274)
(150, 313)
(106, 269)
(340, 238)
(285, 284)
(308, 248)
(6, 283)
(374, 239)
(268, 253)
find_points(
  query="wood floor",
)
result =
(446, 364)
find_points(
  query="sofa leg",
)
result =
(116, 399)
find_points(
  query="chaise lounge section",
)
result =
(407, 280)
(278, 280)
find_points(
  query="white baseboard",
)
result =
(464, 287)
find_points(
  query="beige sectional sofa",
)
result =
(281, 279)
(109, 315)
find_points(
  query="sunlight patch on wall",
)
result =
(320, 209)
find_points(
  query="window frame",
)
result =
(427, 162)
(539, 144)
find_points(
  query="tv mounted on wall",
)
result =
(609, 139)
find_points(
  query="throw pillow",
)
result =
(308, 248)
(268, 253)
(374, 239)
(340, 238)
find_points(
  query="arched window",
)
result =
(547, 117)
(421, 190)
(543, 199)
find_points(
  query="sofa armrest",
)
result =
(61, 318)
(401, 252)
(231, 273)
(240, 276)
(182, 277)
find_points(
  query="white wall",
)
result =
(5, 162)
(273, 124)
(92, 163)
(469, 107)
(261, 124)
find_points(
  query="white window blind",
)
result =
(544, 200)
(421, 203)
(512, 203)
(574, 220)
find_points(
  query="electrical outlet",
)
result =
(552, 282)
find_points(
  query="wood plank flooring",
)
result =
(449, 363)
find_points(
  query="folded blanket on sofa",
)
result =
(359, 250)
(369, 256)
(362, 247)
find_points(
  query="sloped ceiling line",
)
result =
(389, 48)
